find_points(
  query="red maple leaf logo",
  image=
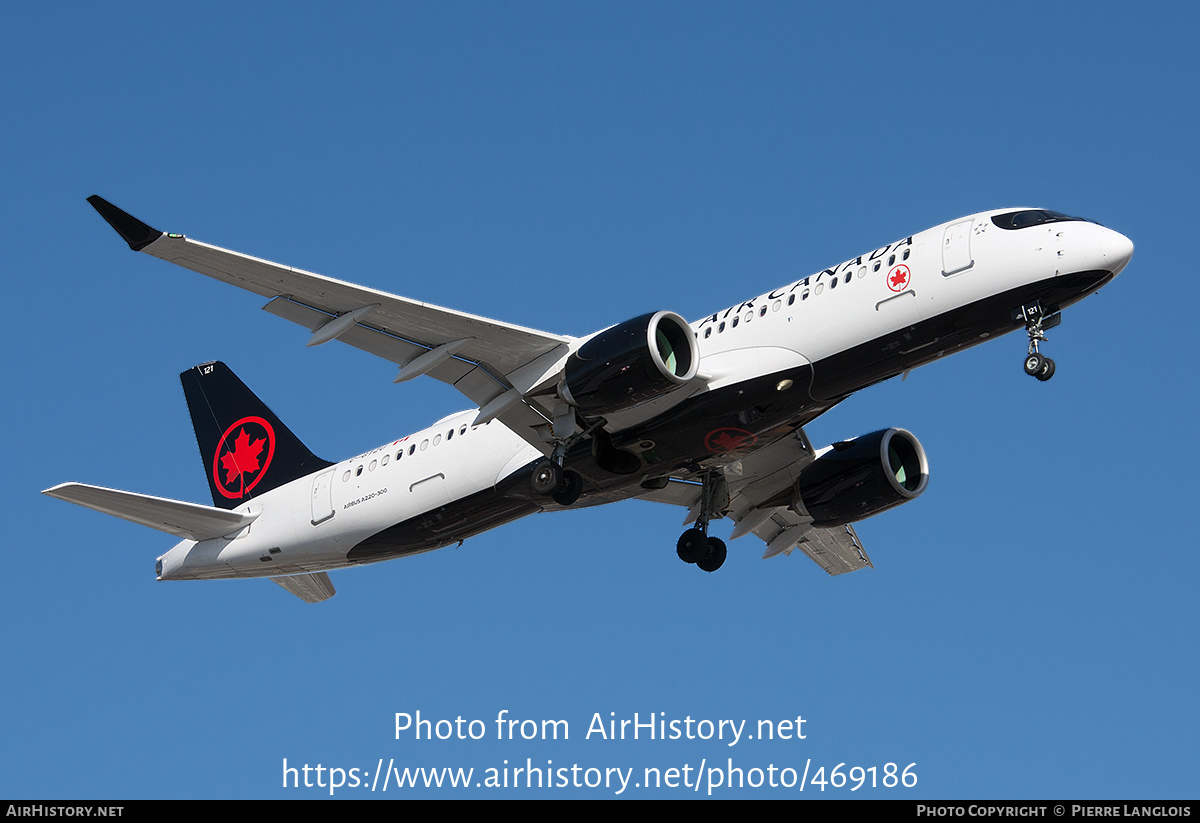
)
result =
(720, 441)
(243, 458)
(898, 278)
(726, 442)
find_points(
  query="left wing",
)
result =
(501, 367)
(760, 503)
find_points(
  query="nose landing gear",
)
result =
(1036, 322)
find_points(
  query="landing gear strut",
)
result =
(1036, 322)
(694, 545)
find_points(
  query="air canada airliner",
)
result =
(707, 415)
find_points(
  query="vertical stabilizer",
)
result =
(246, 449)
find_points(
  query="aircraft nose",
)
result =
(1117, 249)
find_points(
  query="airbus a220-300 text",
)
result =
(706, 415)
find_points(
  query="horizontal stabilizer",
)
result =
(311, 588)
(189, 520)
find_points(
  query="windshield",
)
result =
(1032, 217)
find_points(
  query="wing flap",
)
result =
(836, 550)
(188, 520)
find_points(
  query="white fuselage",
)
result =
(310, 524)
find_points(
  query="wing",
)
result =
(497, 365)
(760, 502)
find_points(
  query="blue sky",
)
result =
(1029, 628)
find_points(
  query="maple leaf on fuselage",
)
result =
(727, 442)
(242, 459)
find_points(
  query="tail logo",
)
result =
(243, 454)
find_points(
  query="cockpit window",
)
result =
(1032, 217)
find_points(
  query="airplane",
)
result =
(707, 415)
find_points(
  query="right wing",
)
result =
(501, 367)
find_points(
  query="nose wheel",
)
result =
(1039, 366)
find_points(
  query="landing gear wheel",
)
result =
(569, 489)
(715, 556)
(547, 477)
(1047, 370)
(692, 546)
(1034, 365)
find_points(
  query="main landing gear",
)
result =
(694, 545)
(1036, 322)
(551, 479)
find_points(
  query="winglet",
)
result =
(133, 231)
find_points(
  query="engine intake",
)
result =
(855, 479)
(630, 363)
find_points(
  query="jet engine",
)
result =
(855, 479)
(630, 363)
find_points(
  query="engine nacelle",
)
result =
(630, 363)
(855, 479)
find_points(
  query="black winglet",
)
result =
(133, 231)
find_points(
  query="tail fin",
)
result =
(246, 449)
